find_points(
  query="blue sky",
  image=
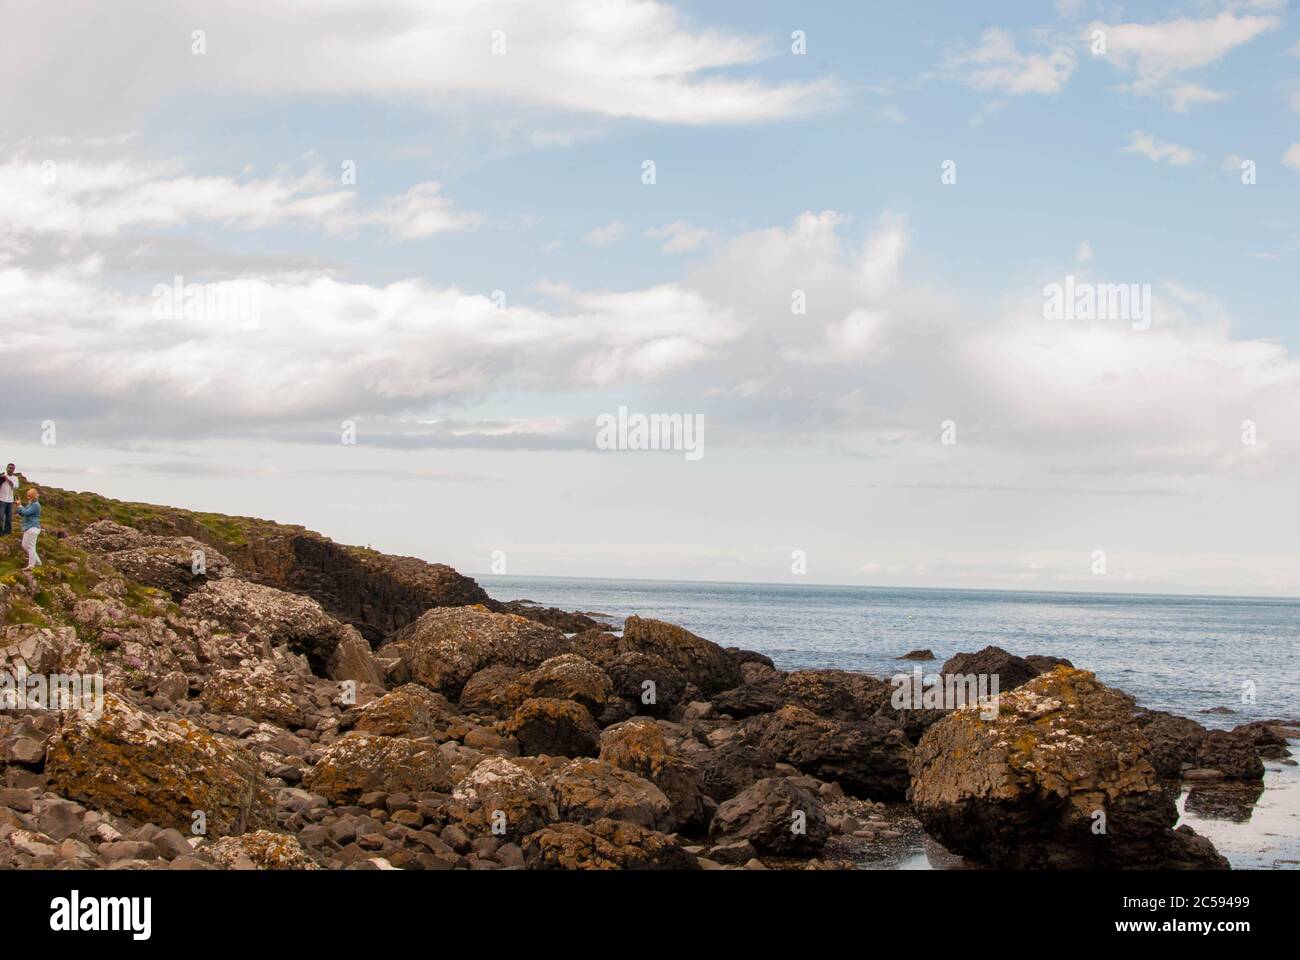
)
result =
(521, 172)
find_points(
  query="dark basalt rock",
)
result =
(1011, 671)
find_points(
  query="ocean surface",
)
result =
(1176, 653)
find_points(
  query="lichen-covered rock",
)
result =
(501, 798)
(276, 618)
(638, 746)
(448, 645)
(1060, 778)
(567, 677)
(157, 770)
(259, 693)
(557, 727)
(492, 691)
(868, 758)
(409, 711)
(605, 845)
(359, 763)
(588, 790)
(261, 850)
(775, 815)
(700, 661)
(178, 565)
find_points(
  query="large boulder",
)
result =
(157, 770)
(605, 845)
(867, 758)
(359, 763)
(276, 618)
(409, 711)
(647, 682)
(730, 768)
(448, 645)
(556, 727)
(1232, 753)
(1060, 778)
(700, 661)
(776, 815)
(500, 797)
(638, 746)
(178, 565)
(1172, 741)
(493, 691)
(588, 790)
(567, 677)
(260, 693)
(262, 850)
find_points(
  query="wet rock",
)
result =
(1173, 741)
(1269, 739)
(1235, 754)
(925, 654)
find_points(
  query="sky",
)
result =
(423, 249)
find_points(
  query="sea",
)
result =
(1220, 660)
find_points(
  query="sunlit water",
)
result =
(1181, 654)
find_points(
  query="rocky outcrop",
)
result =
(274, 618)
(447, 646)
(638, 746)
(178, 565)
(1060, 778)
(867, 758)
(159, 770)
(260, 693)
(1011, 671)
(700, 661)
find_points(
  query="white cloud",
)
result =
(1155, 151)
(1084, 253)
(997, 65)
(1292, 157)
(604, 236)
(618, 58)
(678, 237)
(1155, 54)
(96, 200)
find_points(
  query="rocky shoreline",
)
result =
(297, 704)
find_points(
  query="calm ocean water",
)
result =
(1182, 654)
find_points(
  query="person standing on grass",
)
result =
(31, 516)
(8, 485)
